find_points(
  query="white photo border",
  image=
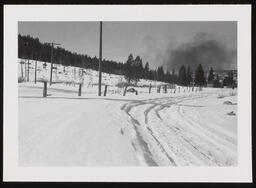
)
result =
(15, 13)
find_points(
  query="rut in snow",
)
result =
(162, 102)
(188, 145)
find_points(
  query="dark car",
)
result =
(132, 90)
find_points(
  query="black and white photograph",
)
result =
(128, 93)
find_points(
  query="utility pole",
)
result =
(51, 64)
(52, 61)
(35, 65)
(100, 57)
(26, 58)
(35, 70)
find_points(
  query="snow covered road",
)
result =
(152, 130)
(175, 129)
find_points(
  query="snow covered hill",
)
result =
(185, 128)
(66, 74)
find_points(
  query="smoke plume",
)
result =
(203, 49)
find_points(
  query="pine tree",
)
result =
(189, 76)
(160, 74)
(182, 76)
(211, 76)
(199, 76)
(128, 69)
(168, 77)
(174, 76)
(137, 69)
(146, 71)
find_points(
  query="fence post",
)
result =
(28, 71)
(158, 89)
(80, 90)
(25, 70)
(35, 70)
(150, 88)
(165, 89)
(105, 91)
(45, 89)
(56, 72)
(21, 68)
(125, 89)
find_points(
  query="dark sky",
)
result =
(160, 43)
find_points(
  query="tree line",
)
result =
(133, 69)
(32, 48)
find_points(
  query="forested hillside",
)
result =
(133, 69)
(32, 48)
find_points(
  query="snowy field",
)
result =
(184, 128)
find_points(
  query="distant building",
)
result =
(234, 73)
(222, 74)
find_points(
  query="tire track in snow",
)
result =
(143, 145)
(188, 145)
(166, 105)
(222, 138)
(147, 111)
(156, 102)
(209, 138)
(174, 131)
(208, 131)
(158, 105)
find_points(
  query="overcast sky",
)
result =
(155, 42)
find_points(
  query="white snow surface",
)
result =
(185, 128)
